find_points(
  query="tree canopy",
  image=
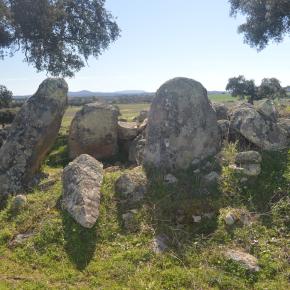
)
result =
(242, 88)
(56, 36)
(271, 88)
(265, 20)
(5, 97)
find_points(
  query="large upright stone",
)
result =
(94, 131)
(182, 126)
(31, 136)
(82, 180)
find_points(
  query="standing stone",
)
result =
(82, 181)
(182, 126)
(31, 136)
(94, 131)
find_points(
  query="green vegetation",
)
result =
(60, 254)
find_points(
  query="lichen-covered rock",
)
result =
(94, 131)
(136, 150)
(268, 110)
(244, 259)
(258, 130)
(82, 181)
(250, 162)
(285, 124)
(132, 185)
(3, 135)
(182, 126)
(222, 111)
(224, 127)
(31, 136)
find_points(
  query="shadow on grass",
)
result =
(80, 243)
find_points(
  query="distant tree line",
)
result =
(242, 88)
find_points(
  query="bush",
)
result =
(7, 116)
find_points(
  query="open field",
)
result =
(60, 254)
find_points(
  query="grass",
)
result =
(60, 254)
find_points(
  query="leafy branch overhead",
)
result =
(265, 20)
(56, 36)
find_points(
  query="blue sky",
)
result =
(162, 39)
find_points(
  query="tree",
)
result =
(271, 89)
(242, 88)
(265, 20)
(5, 97)
(56, 36)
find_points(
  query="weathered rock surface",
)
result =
(136, 149)
(127, 130)
(258, 130)
(246, 260)
(82, 181)
(268, 110)
(3, 135)
(285, 124)
(130, 220)
(224, 127)
(94, 131)
(222, 111)
(250, 162)
(160, 244)
(31, 136)
(182, 126)
(132, 185)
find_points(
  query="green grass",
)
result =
(219, 98)
(60, 254)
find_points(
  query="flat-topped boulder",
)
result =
(82, 180)
(31, 136)
(94, 131)
(182, 126)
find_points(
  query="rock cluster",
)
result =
(31, 136)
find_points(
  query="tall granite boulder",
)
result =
(82, 180)
(182, 126)
(94, 131)
(31, 136)
(257, 128)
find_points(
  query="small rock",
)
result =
(224, 127)
(19, 202)
(209, 215)
(246, 260)
(268, 110)
(170, 179)
(196, 171)
(132, 185)
(196, 218)
(230, 219)
(160, 244)
(222, 111)
(127, 130)
(19, 239)
(249, 157)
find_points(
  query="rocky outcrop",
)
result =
(222, 111)
(127, 131)
(285, 124)
(268, 110)
(257, 129)
(82, 181)
(94, 131)
(3, 135)
(250, 162)
(182, 126)
(31, 136)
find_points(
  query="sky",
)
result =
(160, 40)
